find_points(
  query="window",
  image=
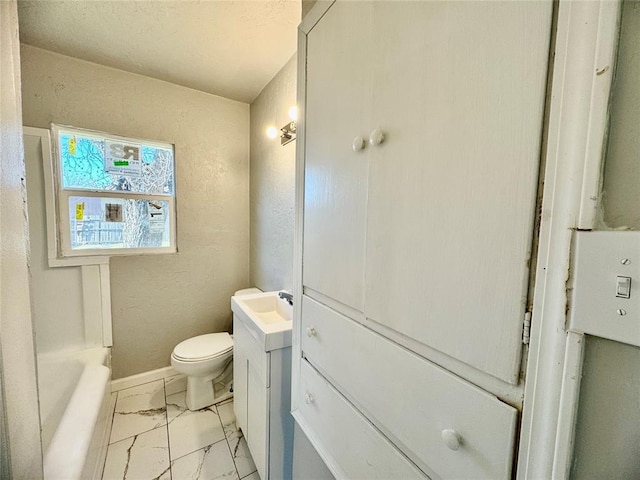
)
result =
(113, 195)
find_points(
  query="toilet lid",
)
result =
(204, 346)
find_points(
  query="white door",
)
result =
(459, 92)
(338, 97)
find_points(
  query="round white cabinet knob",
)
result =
(451, 439)
(358, 144)
(308, 398)
(311, 332)
(376, 137)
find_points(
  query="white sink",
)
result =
(267, 317)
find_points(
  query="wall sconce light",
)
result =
(288, 132)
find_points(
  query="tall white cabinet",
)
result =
(419, 154)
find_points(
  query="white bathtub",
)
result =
(75, 404)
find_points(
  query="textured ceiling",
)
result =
(230, 48)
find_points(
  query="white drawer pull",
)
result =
(311, 332)
(451, 438)
(308, 398)
(358, 144)
(376, 137)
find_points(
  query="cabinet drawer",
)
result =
(355, 447)
(244, 340)
(412, 400)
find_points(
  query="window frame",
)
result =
(61, 195)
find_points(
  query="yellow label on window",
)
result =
(72, 146)
(79, 211)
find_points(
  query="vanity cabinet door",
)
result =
(338, 100)
(258, 422)
(251, 393)
(241, 339)
(459, 96)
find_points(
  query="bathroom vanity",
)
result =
(262, 380)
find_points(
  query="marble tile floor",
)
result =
(154, 436)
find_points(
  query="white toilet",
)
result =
(207, 361)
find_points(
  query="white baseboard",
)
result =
(140, 378)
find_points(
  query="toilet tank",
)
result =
(247, 291)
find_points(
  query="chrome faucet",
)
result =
(287, 297)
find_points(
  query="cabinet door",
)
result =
(459, 92)
(241, 338)
(338, 95)
(258, 420)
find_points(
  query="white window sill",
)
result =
(78, 261)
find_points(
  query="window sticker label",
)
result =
(122, 158)
(80, 211)
(113, 212)
(72, 145)
(156, 217)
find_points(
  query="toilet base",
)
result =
(203, 392)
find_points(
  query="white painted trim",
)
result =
(603, 64)
(582, 27)
(100, 135)
(78, 261)
(105, 290)
(50, 200)
(569, 397)
(308, 22)
(35, 131)
(140, 378)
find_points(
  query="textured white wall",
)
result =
(622, 166)
(21, 424)
(160, 300)
(608, 425)
(273, 185)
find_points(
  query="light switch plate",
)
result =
(599, 258)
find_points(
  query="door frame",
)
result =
(585, 47)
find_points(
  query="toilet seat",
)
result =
(203, 347)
